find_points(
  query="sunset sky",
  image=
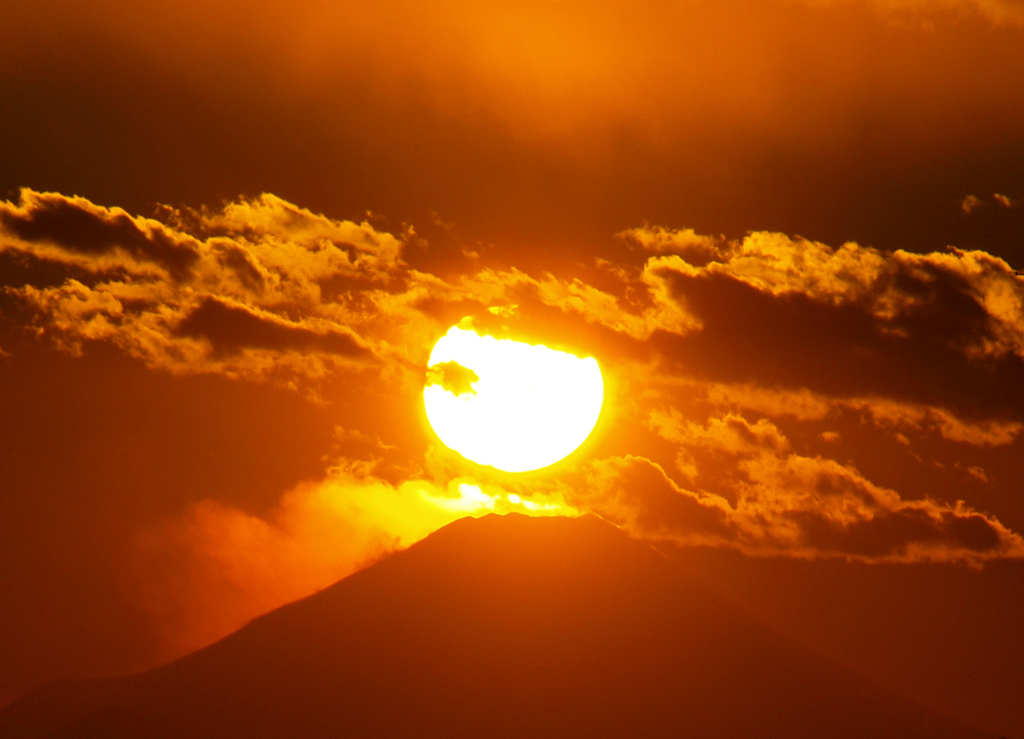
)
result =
(788, 231)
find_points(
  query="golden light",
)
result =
(465, 497)
(507, 404)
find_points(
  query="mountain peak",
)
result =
(498, 626)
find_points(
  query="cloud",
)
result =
(894, 415)
(794, 506)
(207, 573)
(453, 377)
(941, 330)
(711, 344)
(696, 248)
(783, 325)
(257, 285)
(804, 405)
(48, 222)
(969, 203)
(232, 328)
(783, 501)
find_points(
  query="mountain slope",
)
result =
(494, 627)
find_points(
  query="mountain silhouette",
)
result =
(504, 626)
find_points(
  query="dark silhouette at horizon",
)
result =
(495, 627)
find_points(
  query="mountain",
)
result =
(504, 626)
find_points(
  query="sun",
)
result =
(507, 404)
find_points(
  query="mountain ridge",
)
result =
(498, 626)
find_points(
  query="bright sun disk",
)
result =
(510, 405)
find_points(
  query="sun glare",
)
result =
(471, 499)
(510, 405)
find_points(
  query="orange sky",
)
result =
(787, 231)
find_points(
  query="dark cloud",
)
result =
(636, 493)
(250, 302)
(20, 268)
(231, 328)
(897, 534)
(797, 505)
(452, 376)
(80, 227)
(241, 263)
(940, 330)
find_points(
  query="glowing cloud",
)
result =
(510, 405)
